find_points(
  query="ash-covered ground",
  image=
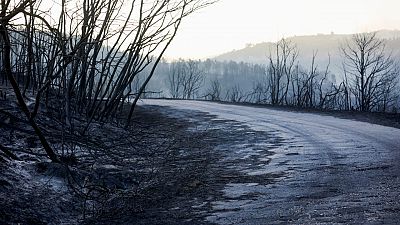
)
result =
(202, 163)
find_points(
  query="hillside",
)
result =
(323, 44)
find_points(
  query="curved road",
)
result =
(336, 170)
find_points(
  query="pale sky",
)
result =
(231, 24)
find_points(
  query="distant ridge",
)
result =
(324, 44)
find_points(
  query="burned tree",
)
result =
(213, 93)
(176, 76)
(280, 68)
(194, 78)
(8, 13)
(85, 54)
(185, 78)
(370, 70)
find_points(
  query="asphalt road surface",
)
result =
(328, 170)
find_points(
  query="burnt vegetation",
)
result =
(76, 148)
(367, 81)
(73, 146)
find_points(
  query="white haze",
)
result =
(231, 24)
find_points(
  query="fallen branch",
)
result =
(8, 153)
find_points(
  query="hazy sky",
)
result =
(230, 24)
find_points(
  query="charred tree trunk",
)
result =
(8, 71)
